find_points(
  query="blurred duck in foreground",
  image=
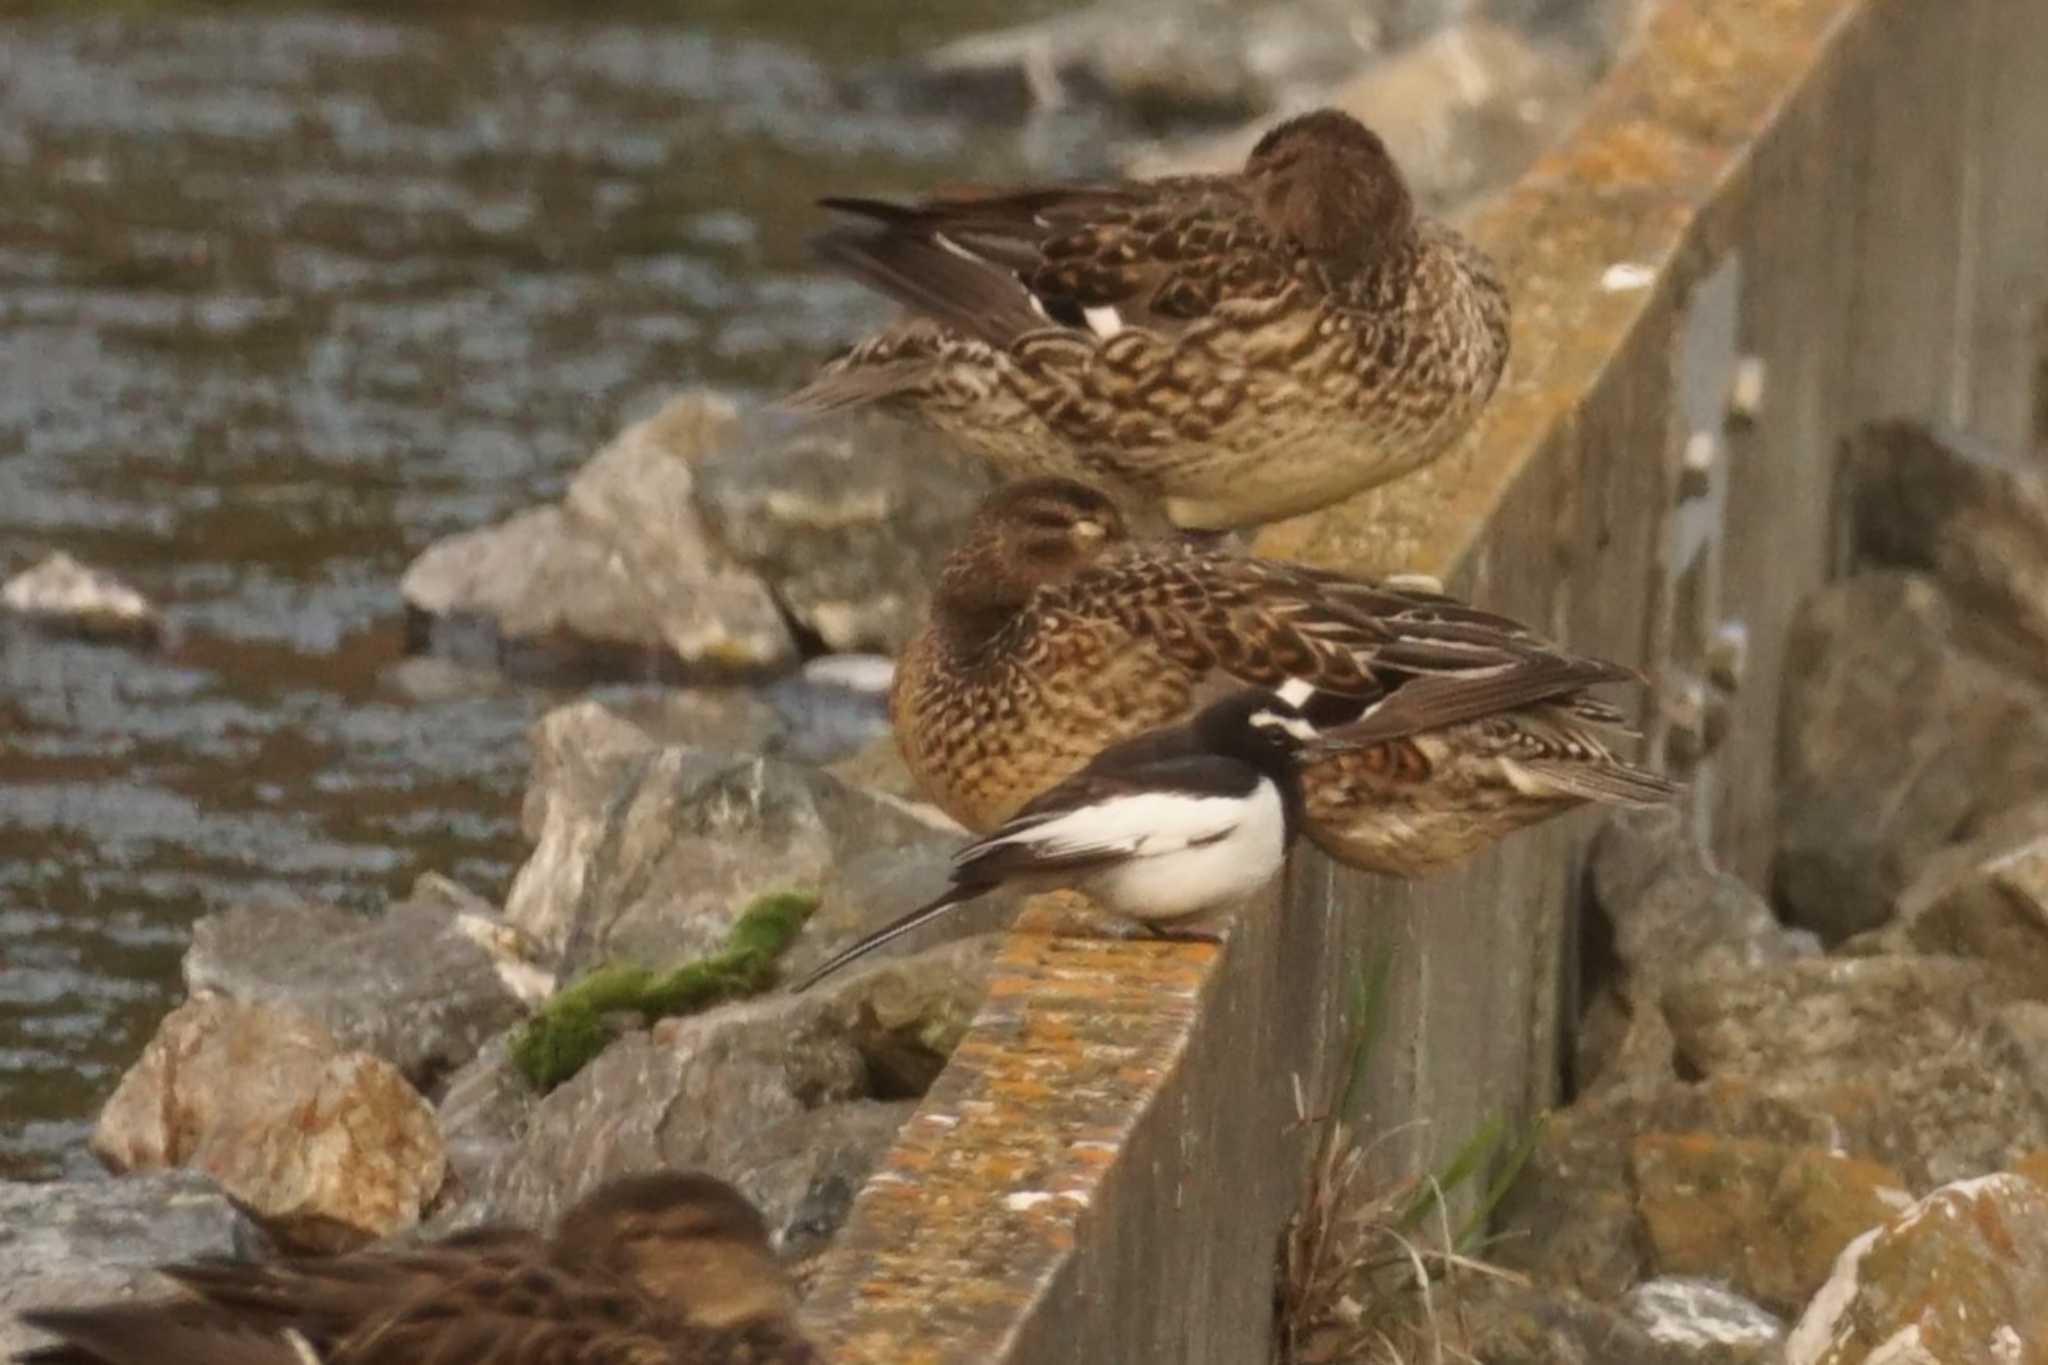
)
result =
(1225, 350)
(664, 1269)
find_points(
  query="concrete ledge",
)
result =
(1841, 199)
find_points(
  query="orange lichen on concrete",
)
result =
(988, 1187)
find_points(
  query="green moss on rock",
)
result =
(577, 1023)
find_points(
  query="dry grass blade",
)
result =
(1363, 1256)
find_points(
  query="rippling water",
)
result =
(285, 296)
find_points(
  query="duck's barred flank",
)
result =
(1220, 350)
(1055, 634)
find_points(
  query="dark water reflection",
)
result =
(283, 297)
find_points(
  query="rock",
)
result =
(1902, 1054)
(1497, 1321)
(483, 1115)
(847, 518)
(740, 720)
(1571, 1217)
(69, 1243)
(711, 1090)
(1895, 741)
(66, 597)
(647, 852)
(2019, 1035)
(327, 1148)
(538, 597)
(1811, 1022)
(1961, 1278)
(1994, 910)
(427, 982)
(1973, 516)
(803, 1172)
(1167, 60)
(621, 580)
(1710, 1323)
(878, 766)
(638, 494)
(1462, 111)
(1766, 1218)
(1669, 912)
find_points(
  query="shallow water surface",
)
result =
(285, 295)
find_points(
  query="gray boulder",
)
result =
(64, 1244)
(1986, 900)
(426, 983)
(1896, 741)
(648, 852)
(845, 517)
(63, 596)
(804, 1171)
(1973, 516)
(1906, 1055)
(1669, 912)
(621, 579)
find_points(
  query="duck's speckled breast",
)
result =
(986, 732)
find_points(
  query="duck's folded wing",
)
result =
(327, 1298)
(1390, 661)
(998, 265)
(528, 1313)
(177, 1333)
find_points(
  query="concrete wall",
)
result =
(1843, 202)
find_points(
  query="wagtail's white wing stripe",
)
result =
(1141, 825)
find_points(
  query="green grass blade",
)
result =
(1471, 1156)
(1368, 1012)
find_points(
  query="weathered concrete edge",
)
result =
(949, 1257)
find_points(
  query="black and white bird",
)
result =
(1164, 826)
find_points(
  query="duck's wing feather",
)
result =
(326, 1298)
(174, 1333)
(525, 1312)
(1001, 264)
(1388, 661)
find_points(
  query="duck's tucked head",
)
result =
(1327, 181)
(1024, 535)
(687, 1239)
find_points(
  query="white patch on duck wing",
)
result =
(1104, 321)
